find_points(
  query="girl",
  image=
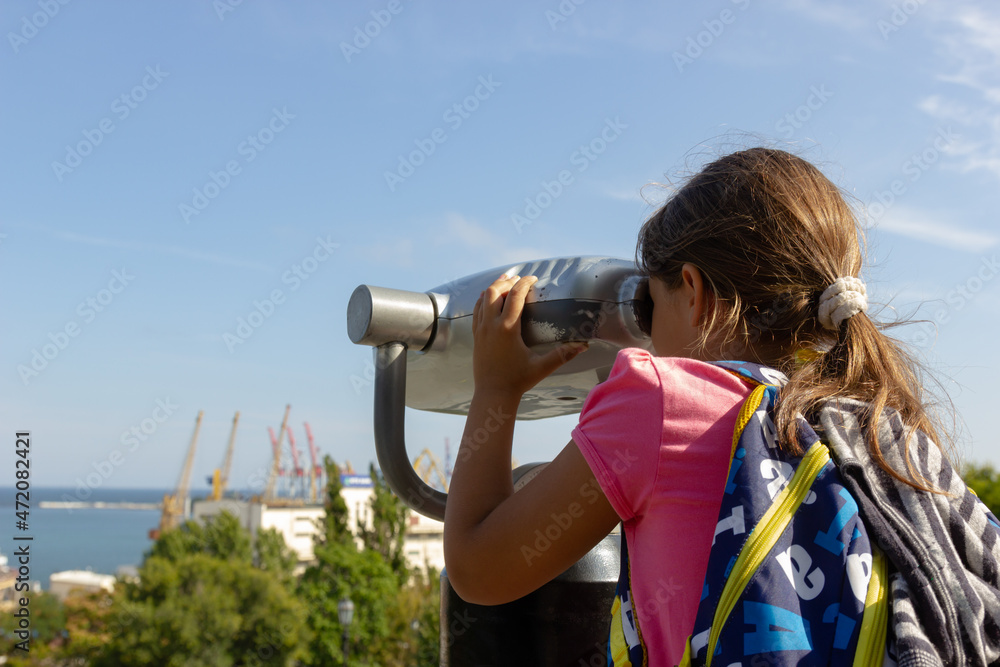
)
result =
(756, 258)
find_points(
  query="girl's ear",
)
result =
(696, 294)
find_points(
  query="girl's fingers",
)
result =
(514, 304)
(496, 293)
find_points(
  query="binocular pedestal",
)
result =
(564, 623)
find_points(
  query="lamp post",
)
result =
(345, 612)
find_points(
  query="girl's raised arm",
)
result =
(493, 545)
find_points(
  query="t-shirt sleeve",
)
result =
(619, 432)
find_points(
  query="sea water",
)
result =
(101, 540)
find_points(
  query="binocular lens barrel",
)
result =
(379, 315)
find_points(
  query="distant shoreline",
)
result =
(98, 505)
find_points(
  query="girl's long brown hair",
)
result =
(769, 233)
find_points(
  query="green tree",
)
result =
(203, 610)
(416, 619)
(396, 607)
(200, 600)
(385, 528)
(87, 626)
(342, 570)
(272, 555)
(984, 480)
(334, 526)
(222, 536)
(47, 618)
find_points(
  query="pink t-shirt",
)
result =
(657, 434)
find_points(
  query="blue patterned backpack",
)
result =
(792, 577)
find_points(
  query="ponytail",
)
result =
(866, 365)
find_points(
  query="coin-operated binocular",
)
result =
(423, 360)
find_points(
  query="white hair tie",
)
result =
(844, 299)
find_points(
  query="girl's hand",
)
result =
(501, 362)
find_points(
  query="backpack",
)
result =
(792, 576)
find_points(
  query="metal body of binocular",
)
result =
(423, 343)
(600, 300)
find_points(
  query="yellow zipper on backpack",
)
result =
(764, 536)
(747, 410)
(875, 622)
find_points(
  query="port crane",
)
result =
(276, 451)
(220, 478)
(272, 478)
(316, 471)
(297, 472)
(426, 464)
(173, 504)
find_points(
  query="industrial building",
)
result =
(289, 503)
(298, 522)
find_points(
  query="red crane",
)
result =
(297, 469)
(275, 449)
(316, 471)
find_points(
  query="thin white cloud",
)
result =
(475, 237)
(828, 13)
(968, 40)
(179, 251)
(390, 252)
(976, 44)
(936, 230)
(468, 232)
(629, 194)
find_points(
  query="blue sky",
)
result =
(170, 164)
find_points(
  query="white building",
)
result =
(295, 522)
(62, 583)
(298, 523)
(424, 543)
